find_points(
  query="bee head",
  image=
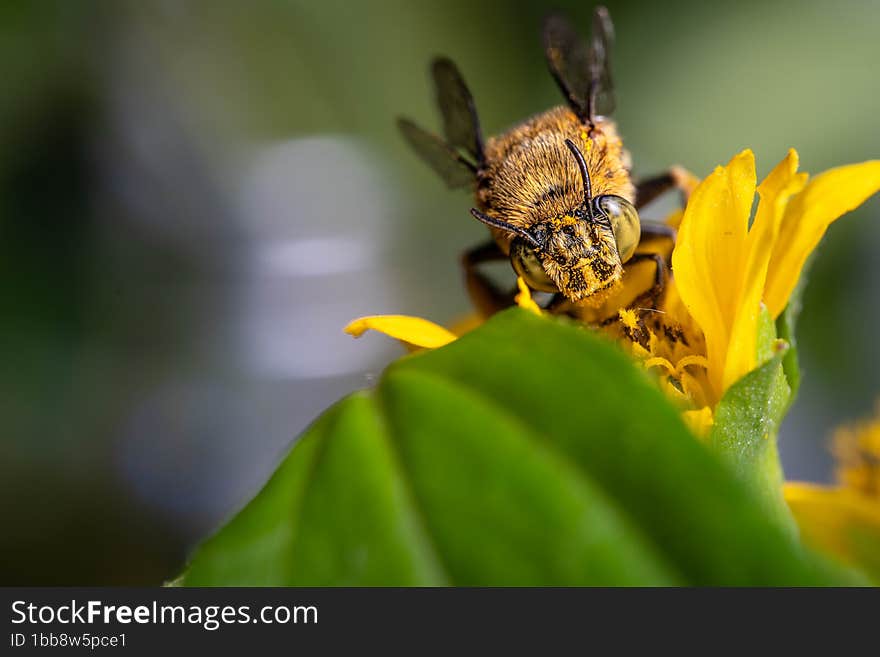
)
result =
(579, 253)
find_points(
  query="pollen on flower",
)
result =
(628, 318)
(681, 370)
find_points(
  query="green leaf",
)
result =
(529, 452)
(746, 425)
(747, 422)
(336, 512)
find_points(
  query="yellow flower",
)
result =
(845, 519)
(725, 270)
(702, 337)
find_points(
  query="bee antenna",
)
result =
(503, 225)
(585, 176)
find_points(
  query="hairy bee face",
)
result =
(581, 253)
(576, 258)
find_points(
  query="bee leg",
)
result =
(657, 238)
(485, 295)
(652, 293)
(676, 178)
(560, 305)
(648, 298)
(658, 231)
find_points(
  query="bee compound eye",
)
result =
(624, 219)
(526, 263)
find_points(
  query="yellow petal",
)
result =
(710, 255)
(837, 520)
(808, 215)
(412, 330)
(524, 298)
(774, 193)
(699, 421)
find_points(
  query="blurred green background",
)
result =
(196, 196)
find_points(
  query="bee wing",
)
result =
(582, 71)
(601, 43)
(460, 123)
(445, 160)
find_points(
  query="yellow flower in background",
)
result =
(857, 450)
(845, 519)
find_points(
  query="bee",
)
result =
(556, 190)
